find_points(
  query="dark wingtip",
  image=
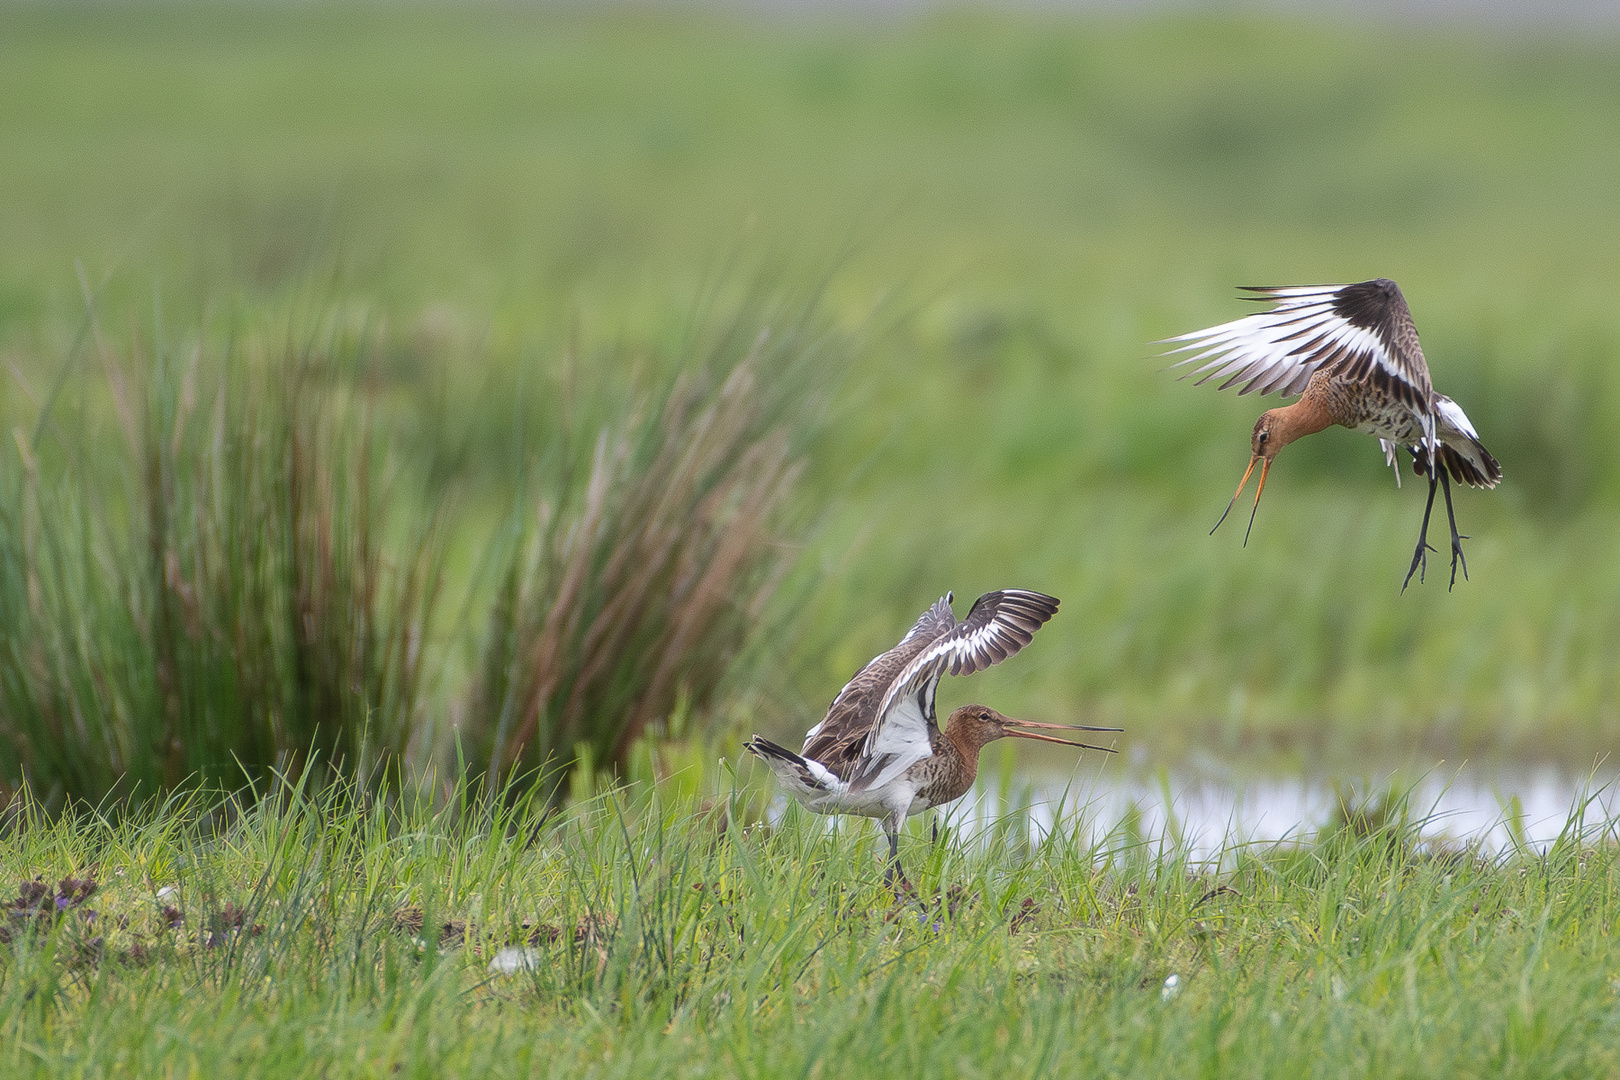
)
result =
(1367, 304)
(1038, 604)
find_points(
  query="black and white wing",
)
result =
(933, 623)
(1363, 332)
(1000, 624)
(837, 740)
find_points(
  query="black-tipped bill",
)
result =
(1258, 488)
(1013, 728)
(1265, 467)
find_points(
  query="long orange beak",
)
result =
(1265, 467)
(1012, 727)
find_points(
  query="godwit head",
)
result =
(971, 727)
(1275, 429)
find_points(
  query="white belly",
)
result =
(873, 802)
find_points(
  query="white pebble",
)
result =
(513, 959)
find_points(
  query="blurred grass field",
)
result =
(1006, 209)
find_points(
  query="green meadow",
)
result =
(436, 434)
(629, 936)
(988, 217)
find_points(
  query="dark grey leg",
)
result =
(1418, 559)
(1456, 539)
(893, 876)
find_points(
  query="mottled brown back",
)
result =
(837, 741)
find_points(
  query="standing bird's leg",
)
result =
(893, 877)
(935, 818)
(1423, 537)
(1456, 539)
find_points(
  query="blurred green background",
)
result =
(1006, 210)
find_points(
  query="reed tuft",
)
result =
(205, 595)
(630, 594)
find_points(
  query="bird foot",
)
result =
(895, 879)
(905, 893)
(1457, 559)
(1420, 564)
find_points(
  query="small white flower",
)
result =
(1172, 987)
(513, 959)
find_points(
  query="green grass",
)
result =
(269, 559)
(1012, 206)
(312, 320)
(327, 936)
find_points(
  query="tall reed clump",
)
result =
(644, 556)
(228, 560)
(203, 594)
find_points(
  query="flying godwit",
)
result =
(1352, 354)
(879, 752)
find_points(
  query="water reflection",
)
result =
(1491, 808)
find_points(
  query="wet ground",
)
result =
(1492, 807)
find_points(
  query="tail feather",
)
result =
(1468, 463)
(1461, 453)
(802, 774)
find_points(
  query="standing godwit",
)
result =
(879, 752)
(1352, 354)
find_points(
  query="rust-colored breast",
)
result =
(947, 775)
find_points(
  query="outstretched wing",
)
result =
(1363, 332)
(999, 625)
(838, 739)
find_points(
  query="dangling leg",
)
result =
(1418, 559)
(1456, 540)
(935, 817)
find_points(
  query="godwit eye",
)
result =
(1264, 435)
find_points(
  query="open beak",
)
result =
(1016, 728)
(1265, 467)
